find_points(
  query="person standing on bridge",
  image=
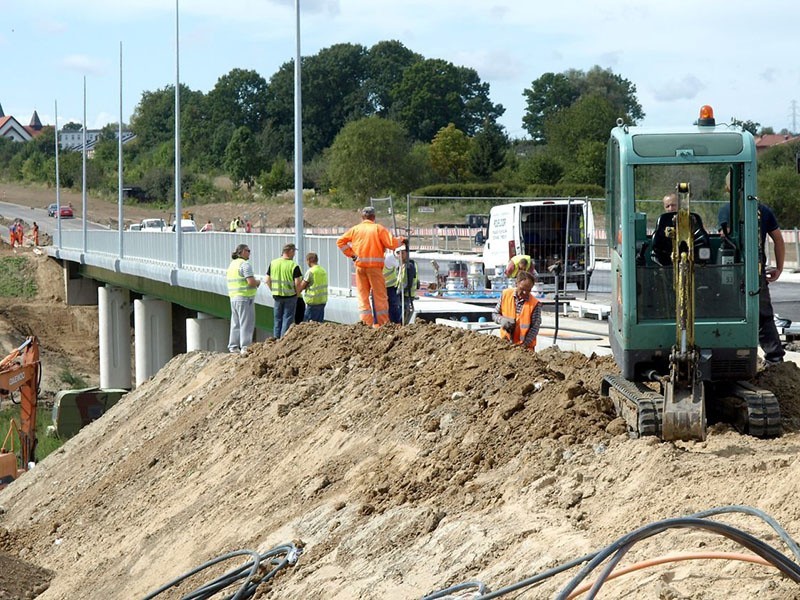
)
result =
(518, 313)
(242, 288)
(366, 244)
(284, 278)
(315, 289)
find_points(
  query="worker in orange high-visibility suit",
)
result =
(518, 313)
(366, 244)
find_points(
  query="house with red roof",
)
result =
(12, 129)
(768, 140)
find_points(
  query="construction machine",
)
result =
(20, 371)
(683, 325)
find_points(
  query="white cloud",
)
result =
(84, 64)
(685, 88)
(493, 65)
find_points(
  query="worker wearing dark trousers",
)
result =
(284, 278)
(390, 277)
(768, 337)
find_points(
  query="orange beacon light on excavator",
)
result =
(20, 370)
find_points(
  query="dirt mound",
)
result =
(404, 459)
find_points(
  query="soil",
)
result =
(402, 460)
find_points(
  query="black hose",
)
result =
(289, 553)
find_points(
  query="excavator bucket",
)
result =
(684, 416)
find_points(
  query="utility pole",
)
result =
(794, 116)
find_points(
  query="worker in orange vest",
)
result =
(518, 313)
(366, 244)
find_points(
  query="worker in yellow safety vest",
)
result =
(315, 289)
(520, 262)
(242, 288)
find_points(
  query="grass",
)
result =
(44, 417)
(75, 382)
(17, 278)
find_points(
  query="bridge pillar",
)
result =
(114, 316)
(207, 332)
(152, 326)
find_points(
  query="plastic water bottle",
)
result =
(538, 290)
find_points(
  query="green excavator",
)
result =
(683, 325)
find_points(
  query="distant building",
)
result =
(12, 129)
(68, 140)
(768, 140)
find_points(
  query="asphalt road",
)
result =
(46, 224)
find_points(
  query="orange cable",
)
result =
(752, 558)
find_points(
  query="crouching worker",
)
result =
(518, 313)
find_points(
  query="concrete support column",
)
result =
(114, 306)
(207, 332)
(152, 326)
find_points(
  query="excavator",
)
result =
(683, 325)
(20, 371)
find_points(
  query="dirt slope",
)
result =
(404, 460)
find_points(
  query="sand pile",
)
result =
(404, 460)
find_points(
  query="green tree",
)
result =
(547, 95)
(540, 167)
(433, 93)
(553, 92)
(240, 98)
(487, 153)
(72, 126)
(386, 62)
(333, 94)
(370, 157)
(153, 119)
(242, 160)
(779, 189)
(590, 118)
(748, 125)
(280, 177)
(450, 154)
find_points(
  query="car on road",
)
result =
(153, 225)
(66, 211)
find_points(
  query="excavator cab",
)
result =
(683, 325)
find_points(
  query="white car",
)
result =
(187, 226)
(153, 225)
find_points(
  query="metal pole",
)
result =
(83, 193)
(178, 203)
(298, 140)
(119, 157)
(796, 249)
(58, 184)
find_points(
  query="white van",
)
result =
(547, 231)
(187, 226)
(153, 225)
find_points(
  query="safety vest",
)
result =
(508, 307)
(367, 241)
(414, 284)
(237, 285)
(516, 259)
(281, 273)
(390, 276)
(318, 292)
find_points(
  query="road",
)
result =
(46, 224)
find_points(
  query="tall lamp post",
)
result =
(298, 142)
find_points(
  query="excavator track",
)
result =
(762, 409)
(640, 406)
(752, 410)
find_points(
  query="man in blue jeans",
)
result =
(315, 289)
(284, 278)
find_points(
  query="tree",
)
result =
(239, 98)
(590, 118)
(370, 157)
(541, 167)
(72, 126)
(242, 160)
(450, 154)
(553, 92)
(779, 189)
(386, 62)
(153, 119)
(547, 95)
(750, 126)
(433, 93)
(487, 153)
(333, 94)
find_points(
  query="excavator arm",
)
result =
(20, 371)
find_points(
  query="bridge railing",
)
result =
(210, 252)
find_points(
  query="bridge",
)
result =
(180, 295)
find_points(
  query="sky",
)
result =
(680, 54)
